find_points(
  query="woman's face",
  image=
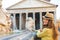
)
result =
(45, 21)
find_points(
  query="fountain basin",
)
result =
(22, 35)
(11, 35)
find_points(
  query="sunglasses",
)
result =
(47, 17)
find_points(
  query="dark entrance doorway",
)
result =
(23, 21)
(30, 14)
(37, 20)
(17, 21)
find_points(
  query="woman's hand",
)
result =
(40, 30)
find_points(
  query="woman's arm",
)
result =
(43, 33)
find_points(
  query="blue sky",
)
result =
(7, 3)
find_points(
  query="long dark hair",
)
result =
(52, 26)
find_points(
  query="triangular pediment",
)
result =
(30, 3)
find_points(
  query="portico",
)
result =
(30, 8)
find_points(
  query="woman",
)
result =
(49, 32)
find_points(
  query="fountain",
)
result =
(5, 27)
(5, 21)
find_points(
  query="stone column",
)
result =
(26, 17)
(14, 22)
(20, 22)
(41, 20)
(55, 17)
(34, 19)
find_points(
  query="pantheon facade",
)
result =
(30, 8)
